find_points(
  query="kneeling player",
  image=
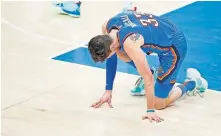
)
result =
(130, 36)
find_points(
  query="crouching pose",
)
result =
(130, 36)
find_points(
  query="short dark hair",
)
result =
(99, 47)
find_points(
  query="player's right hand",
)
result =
(106, 98)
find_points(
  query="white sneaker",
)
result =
(201, 83)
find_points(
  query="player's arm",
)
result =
(132, 46)
(111, 68)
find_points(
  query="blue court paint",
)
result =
(201, 23)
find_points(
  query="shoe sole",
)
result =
(141, 93)
(137, 94)
(74, 16)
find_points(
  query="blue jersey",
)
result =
(158, 33)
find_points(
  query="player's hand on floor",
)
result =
(106, 98)
(152, 116)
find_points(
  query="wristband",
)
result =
(151, 110)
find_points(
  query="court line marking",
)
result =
(35, 34)
(25, 100)
(73, 45)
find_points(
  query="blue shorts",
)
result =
(170, 63)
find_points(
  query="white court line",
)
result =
(36, 35)
(46, 38)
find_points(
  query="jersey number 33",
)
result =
(146, 19)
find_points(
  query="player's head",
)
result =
(101, 47)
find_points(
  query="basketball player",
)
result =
(129, 36)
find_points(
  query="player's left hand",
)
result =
(152, 116)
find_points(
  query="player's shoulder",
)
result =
(127, 35)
